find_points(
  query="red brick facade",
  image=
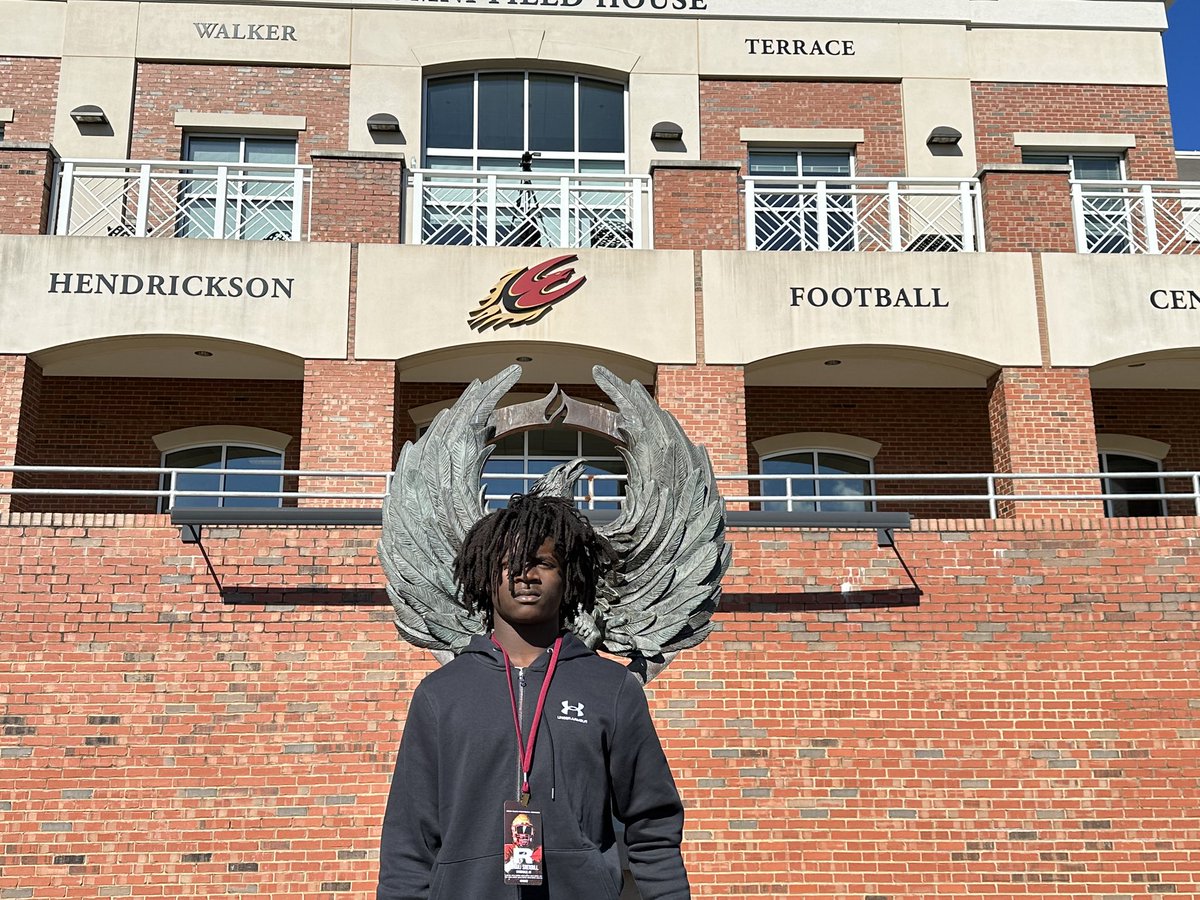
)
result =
(1028, 211)
(113, 421)
(919, 429)
(348, 424)
(697, 208)
(31, 90)
(26, 178)
(1027, 728)
(726, 107)
(1003, 109)
(1041, 421)
(357, 198)
(163, 89)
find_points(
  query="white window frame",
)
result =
(816, 443)
(240, 200)
(526, 458)
(223, 436)
(472, 155)
(1131, 447)
(844, 205)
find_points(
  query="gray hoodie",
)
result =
(597, 755)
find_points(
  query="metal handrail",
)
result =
(823, 213)
(992, 495)
(1128, 217)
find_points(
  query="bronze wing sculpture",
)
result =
(669, 537)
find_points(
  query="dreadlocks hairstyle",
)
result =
(515, 533)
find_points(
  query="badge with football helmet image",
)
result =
(522, 844)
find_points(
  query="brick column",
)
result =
(1027, 208)
(26, 179)
(710, 404)
(358, 197)
(20, 399)
(347, 425)
(697, 207)
(1041, 421)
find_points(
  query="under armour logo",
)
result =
(569, 709)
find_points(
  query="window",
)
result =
(223, 456)
(257, 203)
(788, 216)
(539, 123)
(489, 120)
(1106, 220)
(537, 452)
(797, 464)
(1127, 464)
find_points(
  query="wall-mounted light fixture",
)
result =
(666, 131)
(383, 122)
(89, 115)
(944, 135)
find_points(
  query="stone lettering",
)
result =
(794, 47)
(842, 297)
(249, 31)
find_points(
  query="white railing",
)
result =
(131, 198)
(863, 214)
(1136, 216)
(775, 493)
(524, 209)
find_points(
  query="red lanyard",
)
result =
(524, 751)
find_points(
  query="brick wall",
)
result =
(348, 425)
(728, 106)
(31, 89)
(20, 395)
(1001, 109)
(357, 199)
(26, 180)
(710, 404)
(112, 422)
(921, 431)
(322, 95)
(1028, 728)
(697, 209)
(1041, 421)
(1028, 212)
(1161, 415)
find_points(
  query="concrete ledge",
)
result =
(1074, 140)
(238, 122)
(1024, 169)
(804, 137)
(358, 154)
(694, 164)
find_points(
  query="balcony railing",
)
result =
(129, 198)
(489, 209)
(975, 493)
(863, 214)
(1136, 216)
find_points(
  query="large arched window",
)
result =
(208, 450)
(489, 120)
(797, 457)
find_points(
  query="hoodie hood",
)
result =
(483, 650)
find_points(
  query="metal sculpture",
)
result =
(669, 536)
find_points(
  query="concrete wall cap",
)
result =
(29, 145)
(358, 154)
(694, 164)
(1024, 169)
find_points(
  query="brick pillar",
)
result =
(1027, 208)
(26, 179)
(357, 197)
(710, 404)
(347, 425)
(20, 399)
(1041, 421)
(697, 207)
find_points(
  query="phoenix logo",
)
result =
(525, 296)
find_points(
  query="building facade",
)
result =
(934, 257)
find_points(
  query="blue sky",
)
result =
(1182, 42)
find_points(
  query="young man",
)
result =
(466, 783)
